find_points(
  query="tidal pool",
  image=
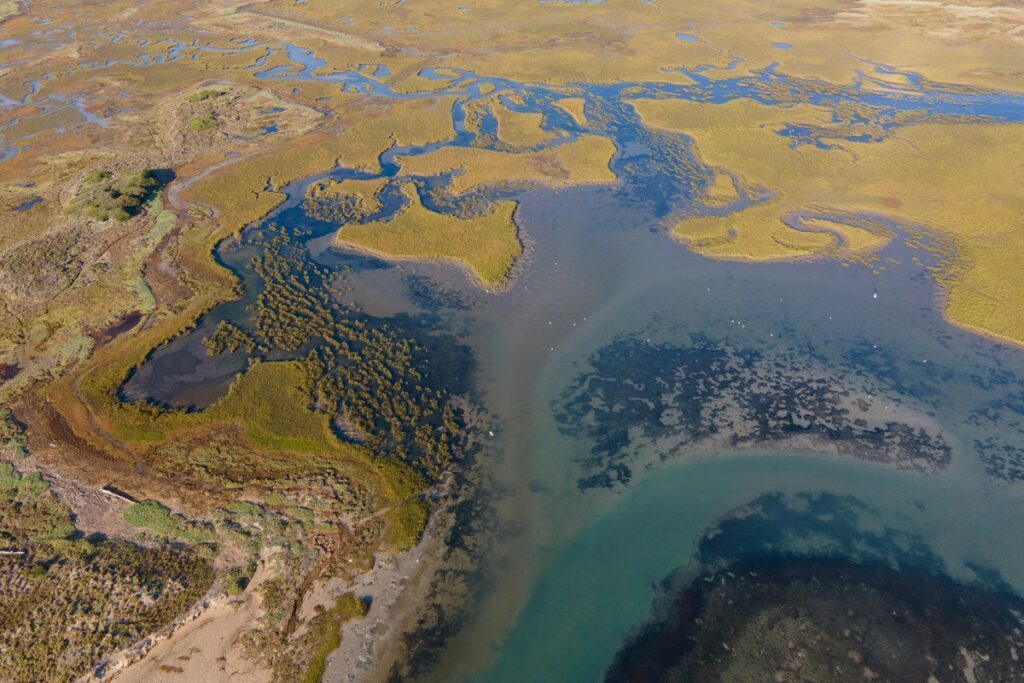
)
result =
(612, 463)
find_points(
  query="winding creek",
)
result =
(607, 477)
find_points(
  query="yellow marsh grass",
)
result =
(625, 40)
(855, 239)
(963, 180)
(245, 192)
(582, 161)
(488, 244)
(520, 129)
(575, 107)
(722, 191)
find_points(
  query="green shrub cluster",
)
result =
(203, 123)
(12, 432)
(228, 338)
(162, 523)
(64, 606)
(28, 512)
(104, 196)
(203, 95)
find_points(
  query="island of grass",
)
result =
(488, 244)
(575, 107)
(520, 129)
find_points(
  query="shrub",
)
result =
(203, 123)
(103, 196)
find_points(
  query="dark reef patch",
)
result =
(828, 620)
(794, 589)
(642, 397)
(428, 294)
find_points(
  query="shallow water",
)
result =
(602, 276)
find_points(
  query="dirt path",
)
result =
(207, 649)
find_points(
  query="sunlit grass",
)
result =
(488, 244)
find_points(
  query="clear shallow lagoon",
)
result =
(601, 272)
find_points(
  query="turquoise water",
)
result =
(602, 279)
(600, 583)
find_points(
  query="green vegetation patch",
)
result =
(324, 630)
(203, 123)
(368, 375)
(103, 195)
(28, 513)
(204, 95)
(62, 609)
(160, 521)
(12, 432)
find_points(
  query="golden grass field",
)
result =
(622, 40)
(488, 244)
(520, 129)
(576, 108)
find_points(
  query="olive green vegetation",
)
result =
(203, 123)
(324, 630)
(279, 442)
(368, 375)
(204, 95)
(12, 432)
(159, 520)
(100, 595)
(103, 196)
(27, 513)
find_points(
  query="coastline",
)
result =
(397, 587)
